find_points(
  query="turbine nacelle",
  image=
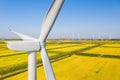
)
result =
(28, 44)
(24, 45)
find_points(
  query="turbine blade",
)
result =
(24, 45)
(50, 19)
(47, 66)
(24, 37)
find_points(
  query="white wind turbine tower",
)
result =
(32, 45)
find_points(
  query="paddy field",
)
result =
(71, 60)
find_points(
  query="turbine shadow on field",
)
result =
(87, 48)
(84, 49)
(81, 53)
(98, 55)
(13, 54)
(109, 47)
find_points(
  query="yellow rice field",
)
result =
(80, 68)
(86, 60)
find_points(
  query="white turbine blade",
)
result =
(47, 66)
(32, 66)
(50, 19)
(24, 45)
(24, 37)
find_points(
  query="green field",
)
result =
(72, 60)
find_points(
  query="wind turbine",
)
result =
(32, 45)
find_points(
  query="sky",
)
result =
(88, 18)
